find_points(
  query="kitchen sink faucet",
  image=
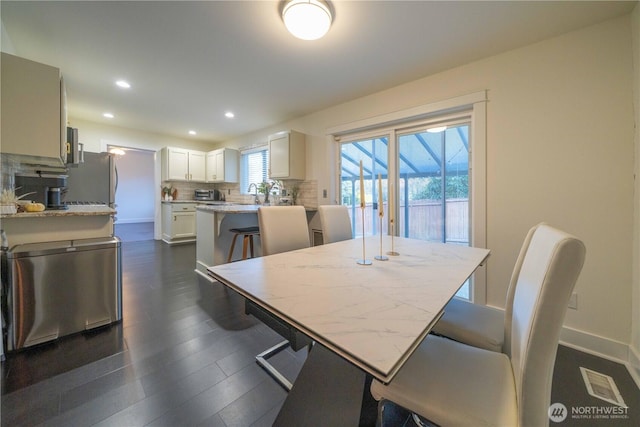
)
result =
(255, 200)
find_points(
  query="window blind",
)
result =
(254, 166)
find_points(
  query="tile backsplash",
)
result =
(307, 194)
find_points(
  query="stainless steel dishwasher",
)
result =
(59, 288)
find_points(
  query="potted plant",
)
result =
(9, 200)
(266, 187)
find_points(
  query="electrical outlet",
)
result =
(573, 301)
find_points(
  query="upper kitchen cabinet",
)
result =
(33, 111)
(287, 155)
(179, 164)
(222, 165)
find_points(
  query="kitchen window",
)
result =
(254, 167)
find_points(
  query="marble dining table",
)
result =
(363, 318)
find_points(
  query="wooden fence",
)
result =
(423, 219)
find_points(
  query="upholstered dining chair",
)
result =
(336, 223)
(479, 325)
(454, 384)
(282, 229)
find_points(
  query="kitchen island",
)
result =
(77, 222)
(213, 223)
(213, 241)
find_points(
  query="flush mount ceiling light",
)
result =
(307, 19)
(117, 151)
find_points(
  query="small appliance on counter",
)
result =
(47, 188)
(208, 195)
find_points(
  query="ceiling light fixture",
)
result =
(108, 115)
(229, 115)
(117, 151)
(192, 132)
(123, 84)
(307, 19)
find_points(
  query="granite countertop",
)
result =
(74, 210)
(199, 202)
(229, 208)
(233, 208)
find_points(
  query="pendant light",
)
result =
(307, 19)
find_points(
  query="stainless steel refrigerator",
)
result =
(94, 181)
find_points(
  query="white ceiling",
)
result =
(189, 62)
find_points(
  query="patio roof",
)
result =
(421, 155)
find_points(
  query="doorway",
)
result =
(135, 196)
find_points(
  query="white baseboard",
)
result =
(132, 220)
(605, 348)
(597, 345)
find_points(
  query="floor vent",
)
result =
(602, 386)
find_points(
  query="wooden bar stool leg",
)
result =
(251, 244)
(245, 242)
(233, 244)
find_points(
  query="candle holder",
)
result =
(364, 260)
(392, 252)
(381, 257)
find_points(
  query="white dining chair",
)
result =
(282, 229)
(453, 384)
(335, 222)
(479, 325)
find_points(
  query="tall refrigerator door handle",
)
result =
(115, 168)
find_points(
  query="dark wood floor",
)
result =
(184, 355)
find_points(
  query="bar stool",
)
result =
(247, 234)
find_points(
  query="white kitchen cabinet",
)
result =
(222, 165)
(197, 166)
(180, 164)
(178, 222)
(32, 119)
(287, 155)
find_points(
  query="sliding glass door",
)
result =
(430, 167)
(433, 180)
(374, 154)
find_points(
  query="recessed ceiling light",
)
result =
(192, 132)
(108, 115)
(229, 115)
(123, 84)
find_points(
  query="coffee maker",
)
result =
(47, 188)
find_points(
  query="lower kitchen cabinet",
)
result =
(178, 222)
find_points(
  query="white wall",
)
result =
(635, 347)
(559, 149)
(93, 134)
(95, 137)
(135, 198)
